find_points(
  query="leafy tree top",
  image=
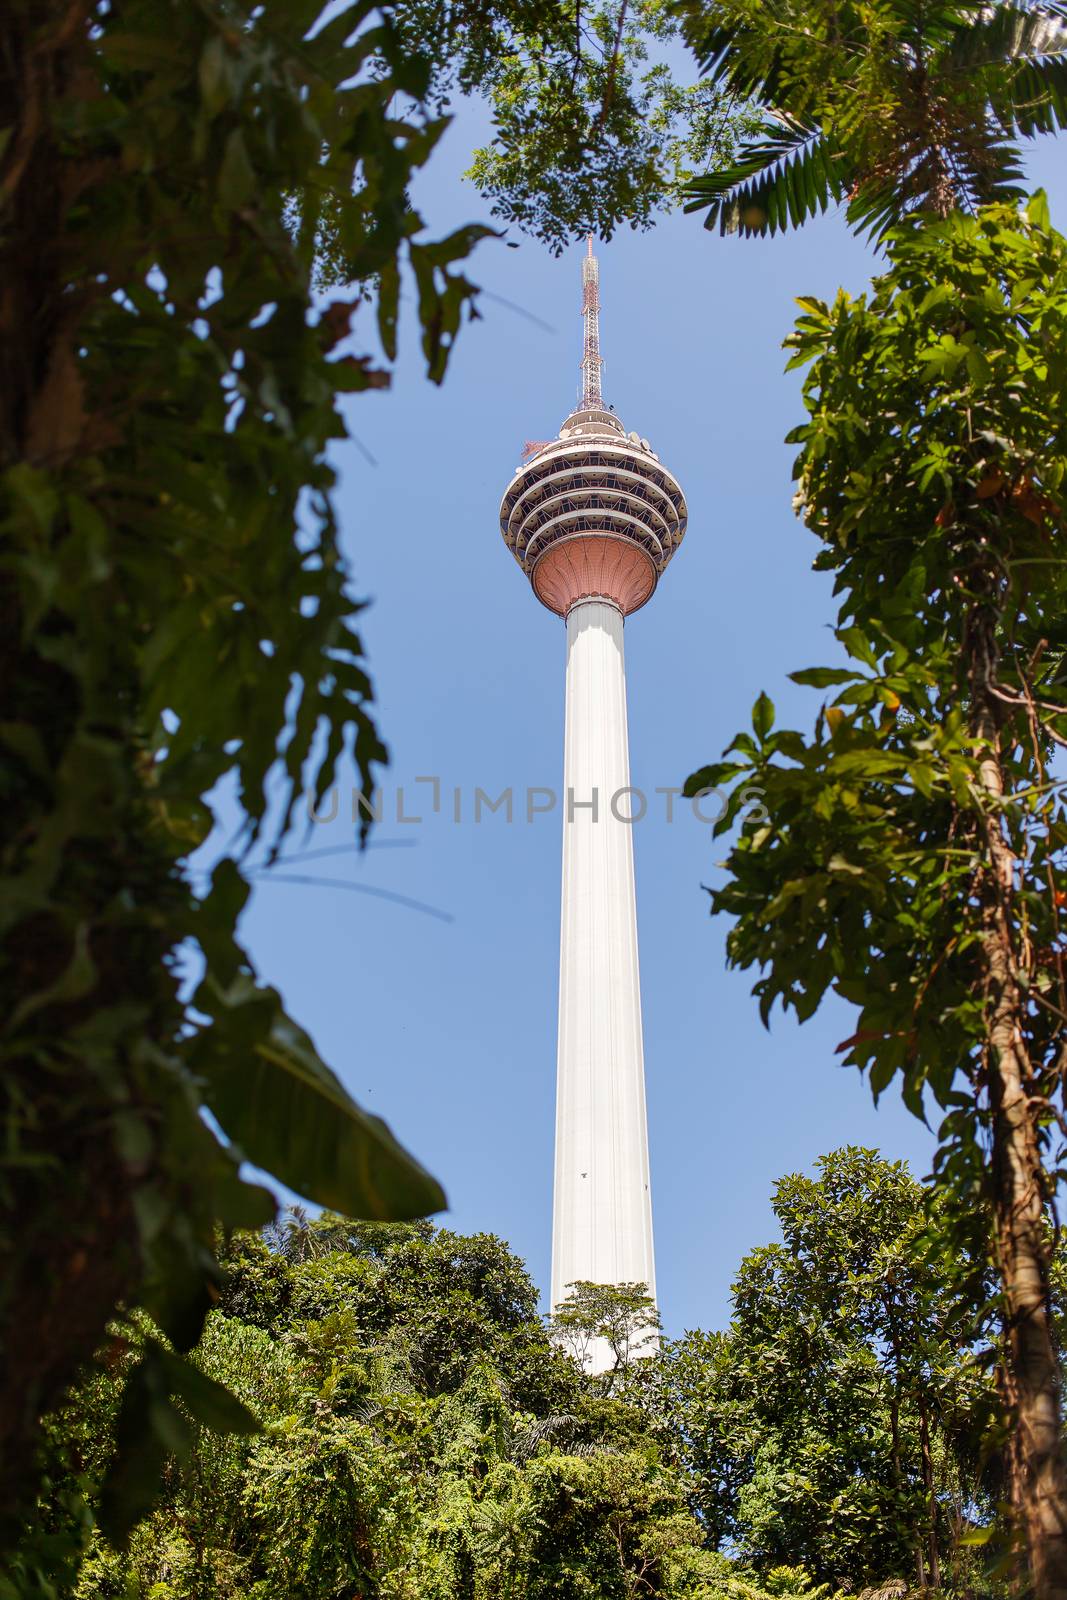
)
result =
(889, 105)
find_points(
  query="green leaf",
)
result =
(388, 304)
(763, 716)
(214, 78)
(823, 677)
(76, 980)
(1037, 212)
(147, 1430)
(710, 777)
(839, 863)
(273, 1095)
(858, 646)
(237, 178)
(209, 1402)
(217, 917)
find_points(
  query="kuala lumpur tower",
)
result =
(593, 518)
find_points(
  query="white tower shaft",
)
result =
(602, 1224)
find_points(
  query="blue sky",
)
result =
(447, 1028)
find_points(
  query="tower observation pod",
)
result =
(593, 517)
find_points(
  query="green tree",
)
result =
(621, 1316)
(592, 126)
(176, 184)
(909, 854)
(376, 1471)
(905, 108)
(844, 1419)
(590, 129)
(176, 614)
(440, 1302)
(891, 105)
(613, 1525)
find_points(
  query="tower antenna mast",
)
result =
(592, 398)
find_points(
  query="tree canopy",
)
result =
(179, 185)
(847, 1419)
(889, 105)
(421, 1436)
(423, 1433)
(909, 851)
(593, 127)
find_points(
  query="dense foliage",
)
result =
(423, 1438)
(847, 1419)
(892, 106)
(175, 614)
(176, 183)
(910, 852)
(424, 1435)
(592, 127)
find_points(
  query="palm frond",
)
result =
(746, 60)
(777, 181)
(933, 28)
(559, 1428)
(999, 176)
(1009, 33)
(713, 47)
(916, 107)
(877, 206)
(1034, 99)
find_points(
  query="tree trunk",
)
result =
(898, 1476)
(931, 1497)
(69, 1243)
(1039, 1481)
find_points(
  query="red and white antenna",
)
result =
(592, 399)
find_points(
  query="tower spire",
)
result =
(592, 399)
